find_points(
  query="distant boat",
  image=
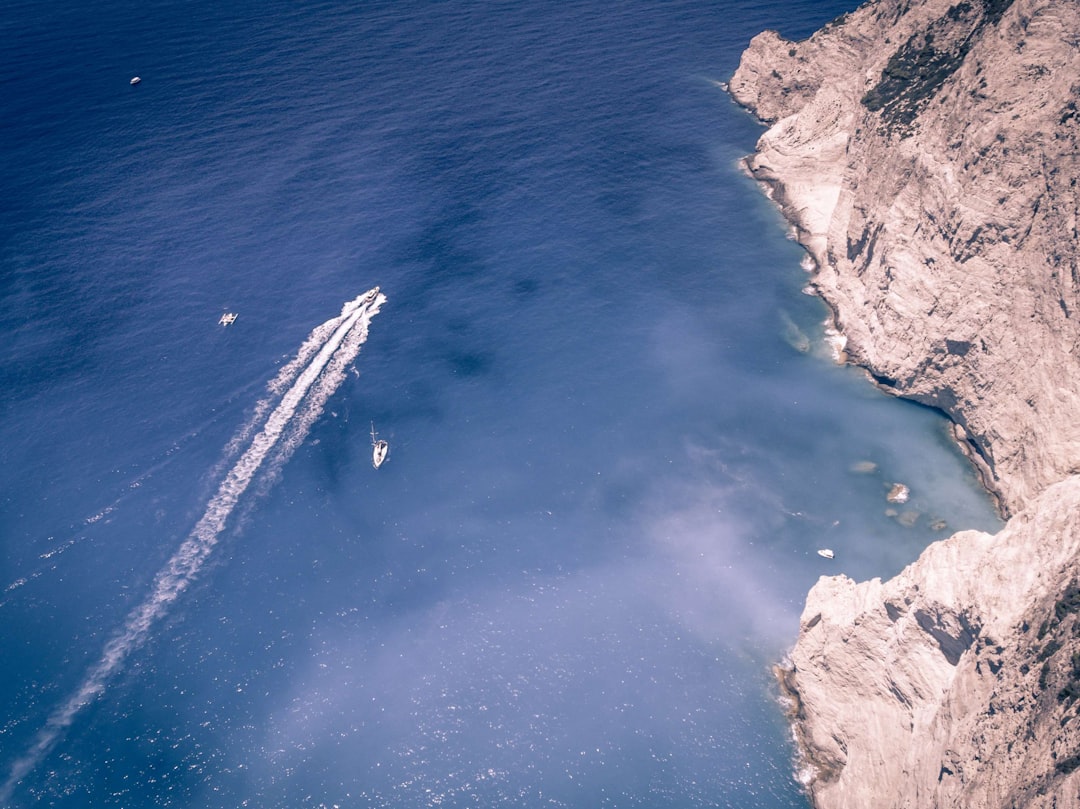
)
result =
(379, 448)
(136, 80)
(826, 552)
(228, 319)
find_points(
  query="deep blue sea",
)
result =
(617, 437)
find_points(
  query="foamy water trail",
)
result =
(280, 383)
(328, 382)
(303, 385)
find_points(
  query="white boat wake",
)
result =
(295, 399)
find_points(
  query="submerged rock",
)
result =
(908, 518)
(793, 335)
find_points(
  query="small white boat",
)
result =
(135, 80)
(379, 448)
(826, 552)
(228, 319)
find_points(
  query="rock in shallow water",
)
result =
(899, 493)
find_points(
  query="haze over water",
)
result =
(617, 437)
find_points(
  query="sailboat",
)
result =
(379, 448)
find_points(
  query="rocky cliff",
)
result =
(926, 153)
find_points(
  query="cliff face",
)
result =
(955, 684)
(926, 152)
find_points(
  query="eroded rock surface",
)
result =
(957, 682)
(926, 153)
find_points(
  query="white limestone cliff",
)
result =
(943, 222)
(926, 152)
(929, 690)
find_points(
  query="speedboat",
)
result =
(379, 448)
(826, 552)
(135, 80)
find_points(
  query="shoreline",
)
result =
(936, 203)
(771, 188)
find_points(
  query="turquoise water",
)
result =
(610, 464)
